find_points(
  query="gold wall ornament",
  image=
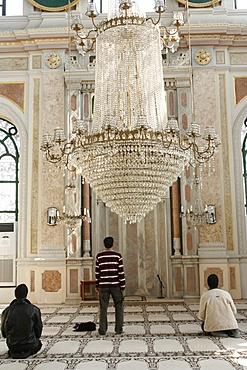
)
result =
(203, 56)
(199, 3)
(53, 5)
(53, 60)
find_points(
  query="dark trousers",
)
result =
(26, 353)
(104, 296)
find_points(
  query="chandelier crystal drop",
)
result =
(132, 154)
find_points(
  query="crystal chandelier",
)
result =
(133, 154)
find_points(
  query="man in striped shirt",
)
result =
(110, 281)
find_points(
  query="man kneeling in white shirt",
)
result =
(217, 310)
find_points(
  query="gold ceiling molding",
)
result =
(35, 41)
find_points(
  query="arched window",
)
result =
(9, 161)
(244, 154)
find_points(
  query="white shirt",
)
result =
(217, 310)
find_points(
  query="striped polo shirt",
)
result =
(109, 270)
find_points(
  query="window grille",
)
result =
(9, 164)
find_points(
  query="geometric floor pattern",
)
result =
(157, 336)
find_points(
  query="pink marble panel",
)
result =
(14, 92)
(73, 286)
(51, 281)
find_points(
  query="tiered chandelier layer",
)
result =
(133, 154)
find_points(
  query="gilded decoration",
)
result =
(203, 56)
(53, 60)
(53, 5)
(199, 3)
(51, 281)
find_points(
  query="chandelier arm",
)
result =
(154, 22)
(50, 158)
(170, 33)
(94, 24)
(67, 165)
(165, 44)
(183, 147)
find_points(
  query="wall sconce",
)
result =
(52, 216)
(211, 214)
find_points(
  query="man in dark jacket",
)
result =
(21, 325)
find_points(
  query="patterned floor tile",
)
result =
(157, 336)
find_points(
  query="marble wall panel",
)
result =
(220, 57)
(206, 115)
(131, 259)
(52, 180)
(150, 252)
(226, 168)
(14, 64)
(189, 241)
(240, 89)
(232, 272)
(191, 279)
(162, 236)
(51, 281)
(35, 186)
(73, 281)
(178, 279)
(238, 58)
(36, 62)
(14, 91)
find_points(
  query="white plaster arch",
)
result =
(12, 113)
(238, 176)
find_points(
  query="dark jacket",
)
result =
(21, 325)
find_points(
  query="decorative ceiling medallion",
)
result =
(203, 56)
(53, 60)
(53, 5)
(199, 3)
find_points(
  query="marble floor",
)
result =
(157, 336)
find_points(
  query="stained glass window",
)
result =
(9, 161)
